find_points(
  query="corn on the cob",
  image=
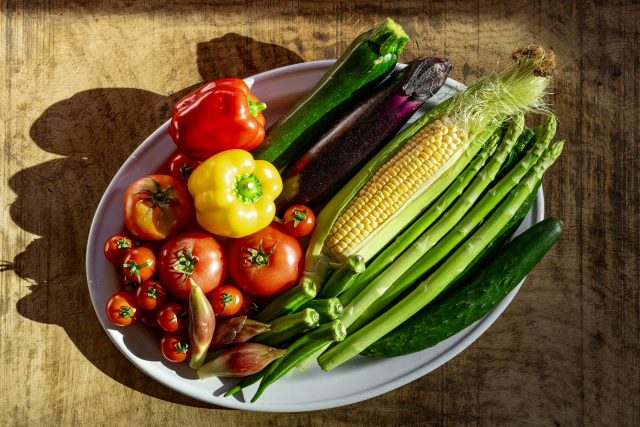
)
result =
(395, 183)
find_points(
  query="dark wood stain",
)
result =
(84, 83)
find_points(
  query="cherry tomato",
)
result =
(194, 255)
(122, 308)
(298, 220)
(172, 316)
(175, 346)
(226, 300)
(155, 207)
(181, 166)
(250, 305)
(151, 295)
(116, 247)
(139, 264)
(148, 317)
(266, 262)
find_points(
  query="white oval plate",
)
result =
(359, 379)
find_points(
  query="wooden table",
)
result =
(82, 87)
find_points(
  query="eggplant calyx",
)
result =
(259, 258)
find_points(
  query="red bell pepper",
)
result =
(219, 116)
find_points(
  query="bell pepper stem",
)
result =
(256, 107)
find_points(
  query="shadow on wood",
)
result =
(96, 130)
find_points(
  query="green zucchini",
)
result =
(365, 63)
(473, 301)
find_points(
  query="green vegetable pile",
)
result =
(421, 272)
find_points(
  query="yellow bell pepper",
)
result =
(234, 194)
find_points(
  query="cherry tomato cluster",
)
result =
(157, 260)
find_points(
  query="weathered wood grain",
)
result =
(83, 83)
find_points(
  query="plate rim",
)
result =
(471, 333)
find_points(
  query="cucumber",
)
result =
(473, 301)
(365, 63)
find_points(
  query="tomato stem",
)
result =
(154, 292)
(180, 314)
(135, 268)
(259, 257)
(122, 243)
(130, 286)
(255, 107)
(253, 308)
(186, 170)
(226, 299)
(126, 312)
(297, 216)
(185, 263)
(182, 347)
(158, 197)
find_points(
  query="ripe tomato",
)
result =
(250, 305)
(122, 308)
(194, 255)
(181, 166)
(298, 220)
(155, 207)
(116, 247)
(151, 295)
(172, 316)
(139, 264)
(267, 261)
(175, 346)
(148, 317)
(226, 300)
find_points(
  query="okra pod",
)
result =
(328, 309)
(343, 277)
(246, 382)
(286, 327)
(288, 302)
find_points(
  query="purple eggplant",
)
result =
(316, 175)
